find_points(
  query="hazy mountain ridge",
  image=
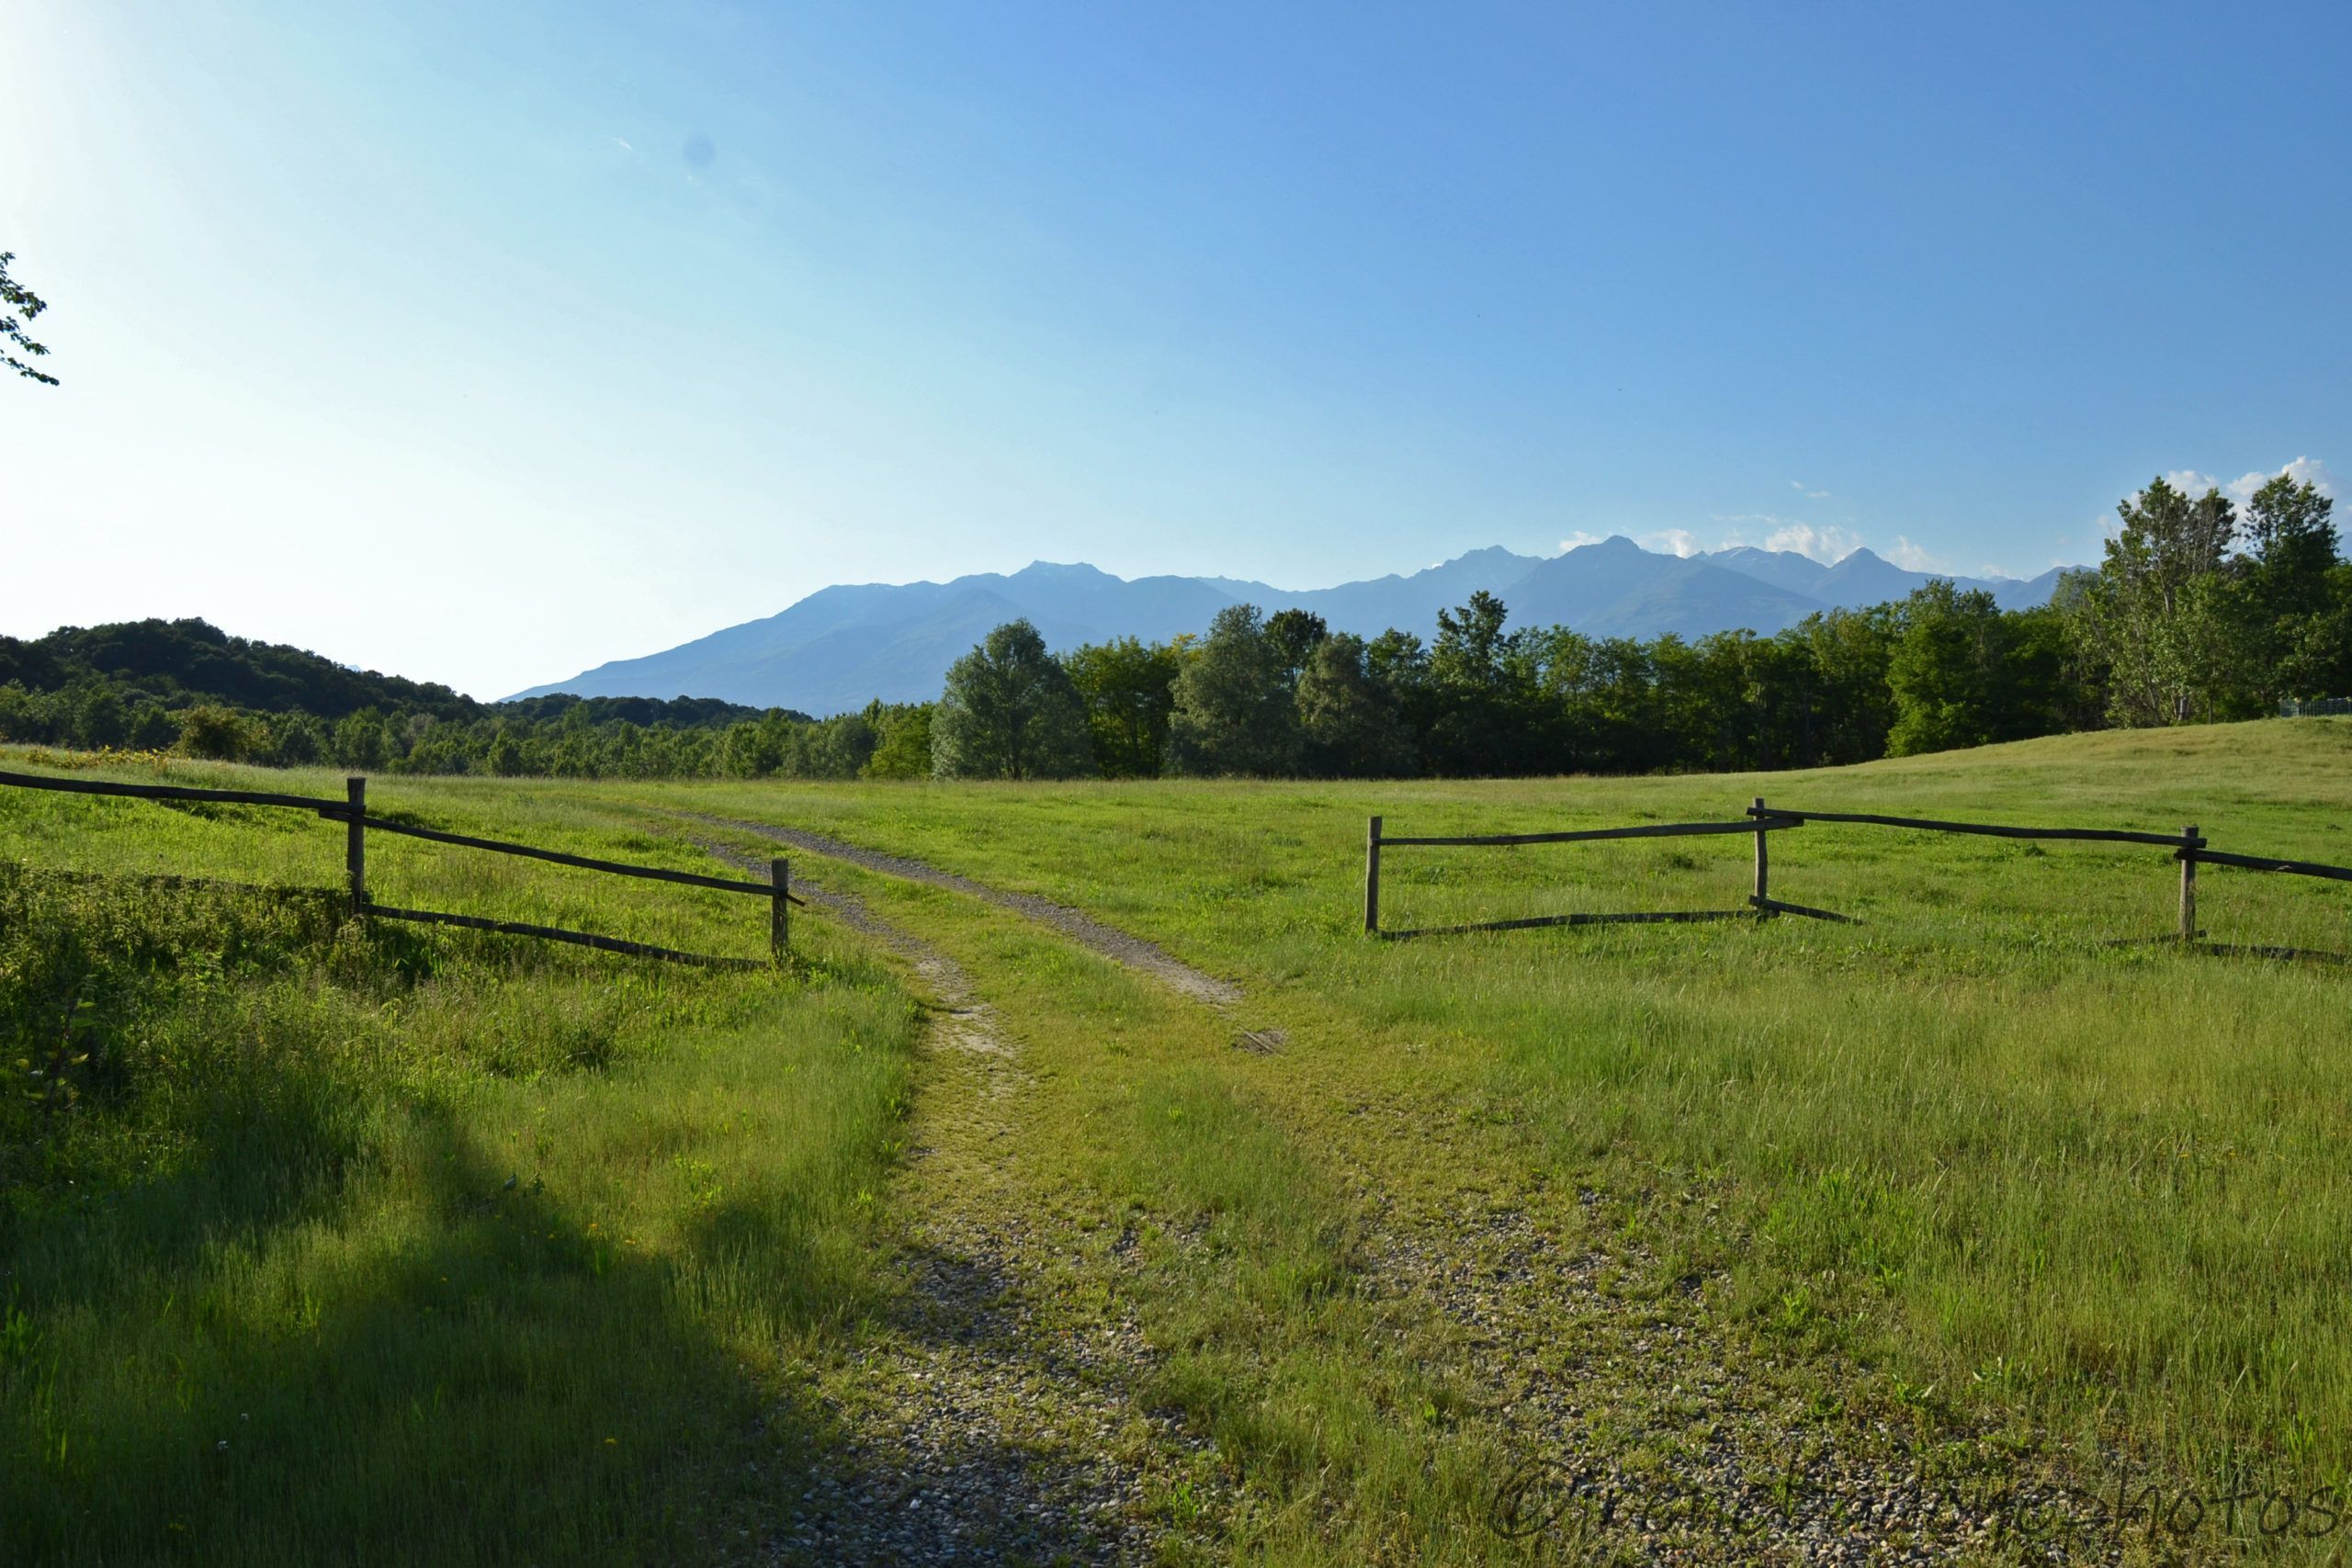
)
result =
(840, 647)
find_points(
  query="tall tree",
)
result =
(903, 748)
(1348, 722)
(19, 305)
(2292, 554)
(1129, 689)
(1948, 671)
(1295, 635)
(1234, 713)
(2160, 614)
(1481, 716)
(1009, 712)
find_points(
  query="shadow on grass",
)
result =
(312, 1364)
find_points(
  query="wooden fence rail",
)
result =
(352, 811)
(2189, 847)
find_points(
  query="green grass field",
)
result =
(1962, 1179)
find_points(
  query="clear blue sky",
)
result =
(484, 342)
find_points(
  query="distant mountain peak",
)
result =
(1076, 569)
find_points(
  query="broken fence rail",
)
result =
(352, 811)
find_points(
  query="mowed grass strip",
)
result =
(396, 1244)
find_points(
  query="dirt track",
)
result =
(1118, 946)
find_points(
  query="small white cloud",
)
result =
(1826, 544)
(1799, 486)
(1912, 557)
(2313, 472)
(1822, 541)
(2190, 482)
(2302, 471)
(1578, 540)
(1677, 541)
(622, 143)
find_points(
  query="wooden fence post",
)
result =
(2189, 885)
(1371, 879)
(1762, 899)
(779, 908)
(354, 844)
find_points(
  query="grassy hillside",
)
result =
(1961, 1179)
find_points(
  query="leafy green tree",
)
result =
(1481, 713)
(152, 729)
(1295, 635)
(1234, 713)
(2290, 532)
(296, 743)
(361, 741)
(18, 306)
(1605, 693)
(1849, 651)
(903, 751)
(1129, 689)
(1349, 725)
(100, 718)
(1947, 670)
(505, 756)
(2160, 614)
(216, 734)
(1009, 712)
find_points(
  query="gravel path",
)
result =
(988, 1426)
(1118, 946)
(1635, 1433)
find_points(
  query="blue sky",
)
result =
(487, 343)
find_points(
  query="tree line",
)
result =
(2198, 611)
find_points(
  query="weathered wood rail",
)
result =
(352, 811)
(2188, 846)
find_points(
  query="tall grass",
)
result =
(325, 1242)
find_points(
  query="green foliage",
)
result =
(903, 748)
(1349, 727)
(19, 305)
(2295, 592)
(1951, 671)
(1009, 712)
(1295, 635)
(1128, 687)
(1233, 713)
(2161, 615)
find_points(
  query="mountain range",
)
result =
(844, 646)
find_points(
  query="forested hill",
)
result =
(179, 664)
(190, 687)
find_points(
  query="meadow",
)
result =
(1964, 1179)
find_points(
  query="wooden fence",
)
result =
(2189, 847)
(352, 811)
